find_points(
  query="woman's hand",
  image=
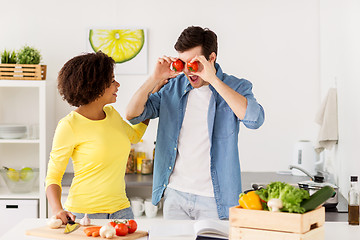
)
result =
(63, 215)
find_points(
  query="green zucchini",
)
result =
(317, 198)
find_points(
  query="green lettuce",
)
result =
(290, 196)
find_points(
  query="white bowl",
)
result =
(12, 135)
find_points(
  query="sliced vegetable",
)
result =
(250, 200)
(318, 198)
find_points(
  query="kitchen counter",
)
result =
(138, 184)
(131, 180)
(333, 230)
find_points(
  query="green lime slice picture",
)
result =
(120, 44)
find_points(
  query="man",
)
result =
(196, 164)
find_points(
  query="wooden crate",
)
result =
(22, 72)
(248, 224)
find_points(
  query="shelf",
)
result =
(6, 194)
(21, 83)
(22, 140)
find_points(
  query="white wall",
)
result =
(274, 44)
(340, 50)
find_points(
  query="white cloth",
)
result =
(327, 118)
(191, 173)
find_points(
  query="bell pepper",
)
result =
(250, 200)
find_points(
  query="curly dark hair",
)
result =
(197, 36)
(84, 78)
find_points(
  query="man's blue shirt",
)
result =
(169, 106)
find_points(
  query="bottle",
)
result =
(130, 166)
(353, 207)
(140, 155)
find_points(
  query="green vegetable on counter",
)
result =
(290, 196)
(318, 198)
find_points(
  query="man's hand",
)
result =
(162, 69)
(207, 69)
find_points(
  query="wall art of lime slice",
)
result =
(120, 44)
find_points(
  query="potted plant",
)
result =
(22, 65)
(8, 57)
(28, 55)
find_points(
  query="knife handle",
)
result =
(71, 222)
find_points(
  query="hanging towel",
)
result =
(327, 118)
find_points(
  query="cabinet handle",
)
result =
(12, 206)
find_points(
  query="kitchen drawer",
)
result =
(14, 210)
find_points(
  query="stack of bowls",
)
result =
(12, 131)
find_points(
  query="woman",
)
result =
(97, 140)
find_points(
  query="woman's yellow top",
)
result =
(99, 151)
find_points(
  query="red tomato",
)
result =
(193, 66)
(113, 224)
(132, 225)
(121, 229)
(178, 65)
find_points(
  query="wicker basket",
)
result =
(22, 72)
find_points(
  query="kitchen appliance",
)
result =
(305, 157)
(317, 182)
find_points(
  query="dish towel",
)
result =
(327, 118)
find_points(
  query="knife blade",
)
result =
(71, 226)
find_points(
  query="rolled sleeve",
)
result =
(151, 109)
(254, 116)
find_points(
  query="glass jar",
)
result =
(146, 166)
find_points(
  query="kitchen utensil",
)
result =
(71, 226)
(305, 156)
(316, 183)
(48, 233)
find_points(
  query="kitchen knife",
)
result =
(71, 226)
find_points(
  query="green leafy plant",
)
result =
(8, 57)
(28, 55)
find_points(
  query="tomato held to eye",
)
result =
(132, 225)
(178, 65)
(193, 66)
(121, 229)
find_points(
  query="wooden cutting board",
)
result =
(47, 232)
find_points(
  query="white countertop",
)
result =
(333, 230)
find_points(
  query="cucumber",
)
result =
(318, 198)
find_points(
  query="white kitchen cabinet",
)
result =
(13, 210)
(24, 102)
